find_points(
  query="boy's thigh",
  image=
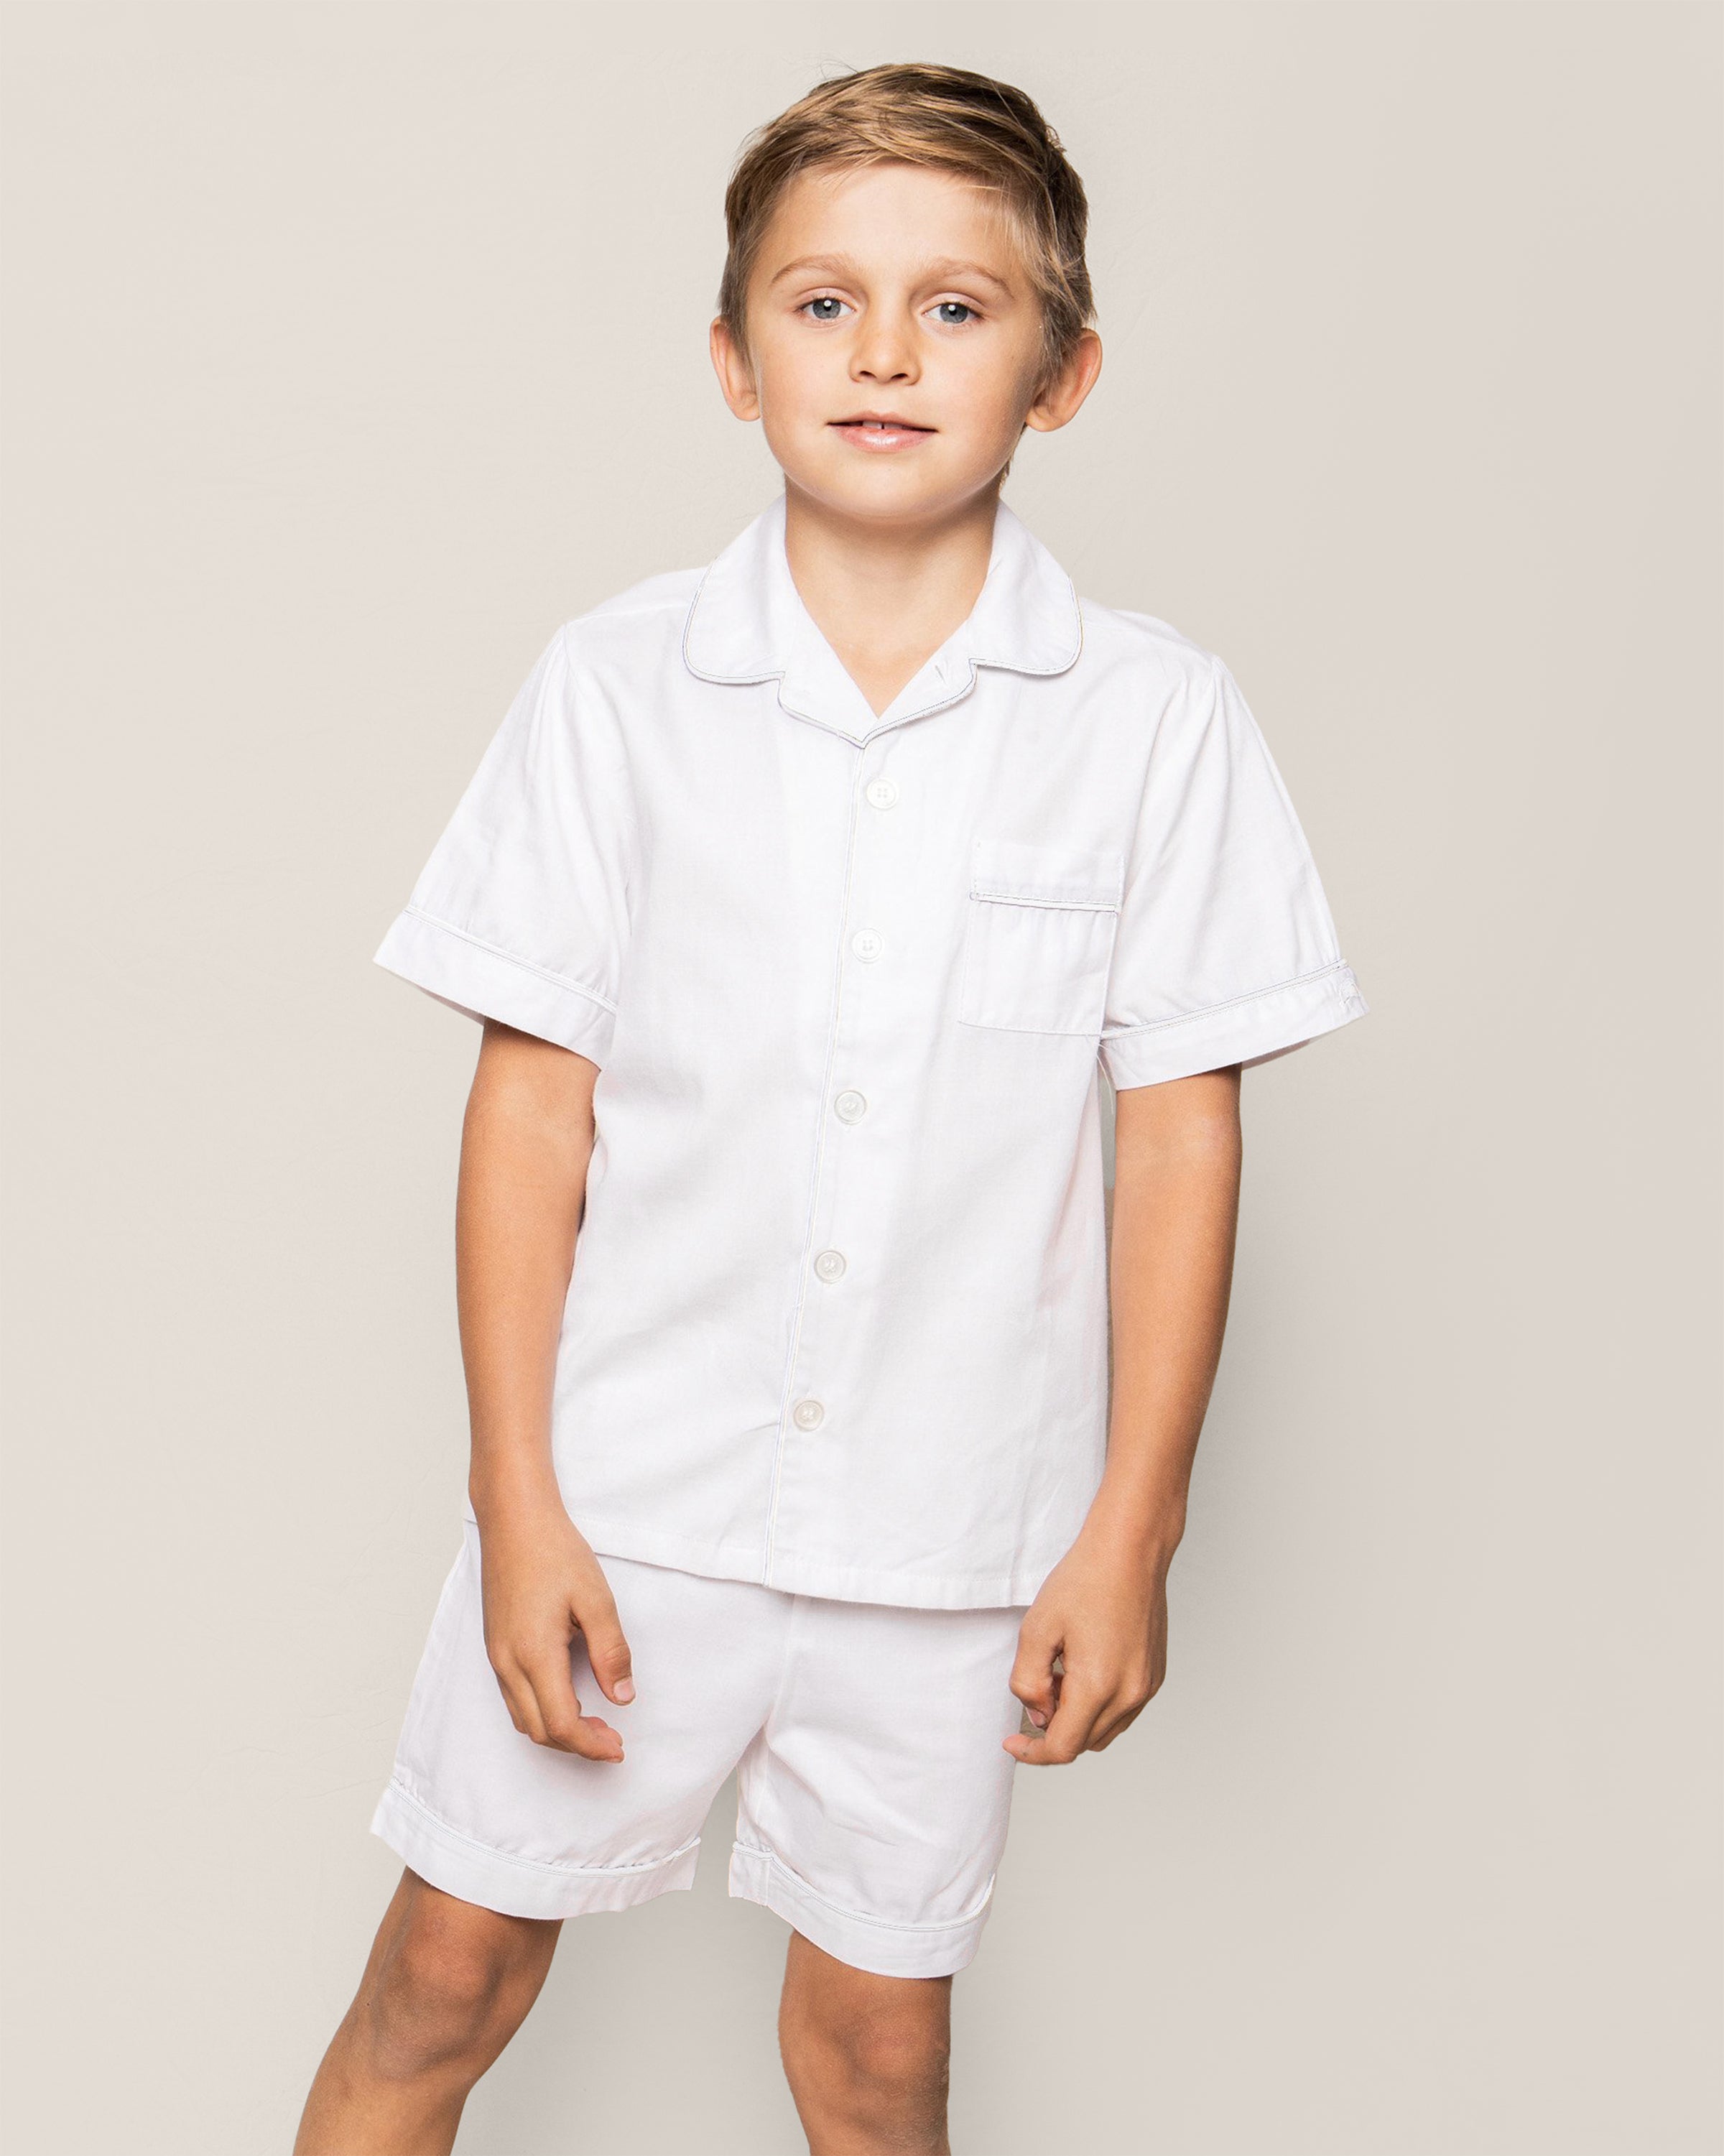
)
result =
(875, 1803)
(485, 1812)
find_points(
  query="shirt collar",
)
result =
(747, 622)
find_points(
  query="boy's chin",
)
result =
(891, 495)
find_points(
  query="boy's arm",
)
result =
(525, 1142)
(1103, 1610)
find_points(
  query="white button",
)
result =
(851, 1107)
(879, 793)
(829, 1263)
(808, 1414)
(868, 943)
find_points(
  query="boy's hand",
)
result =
(541, 1583)
(1104, 1614)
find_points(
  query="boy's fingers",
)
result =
(607, 1650)
(588, 1738)
(518, 1698)
(1066, 1735)
(1033, 1679)
(567, 1729)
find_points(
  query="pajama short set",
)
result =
(831, 1383)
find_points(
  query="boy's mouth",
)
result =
(881, 430)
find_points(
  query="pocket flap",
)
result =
(1021, 875)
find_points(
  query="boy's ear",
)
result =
(735, 377)
(1057, 401)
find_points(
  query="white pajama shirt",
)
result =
(838, 1320)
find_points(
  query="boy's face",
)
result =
(894, 294)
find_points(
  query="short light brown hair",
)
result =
(945, 117)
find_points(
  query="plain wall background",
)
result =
(350, 350)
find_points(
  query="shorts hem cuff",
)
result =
(874, 1944)
(518, 1886)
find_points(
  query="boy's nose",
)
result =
(883, 353)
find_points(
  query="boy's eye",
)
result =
(825, 309)
(954, 311)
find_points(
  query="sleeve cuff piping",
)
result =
(474, 976)
(1245, 1030)
(508, 958)
(1233, 1003)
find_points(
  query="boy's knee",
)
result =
(446, 1996)
(885, 2062)
(901, 2062)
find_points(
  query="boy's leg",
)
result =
(447, 1985)
(504, 1838)
(867, 2057)
(872, 1813)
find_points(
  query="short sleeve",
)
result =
(1224, 951)
(521, 914)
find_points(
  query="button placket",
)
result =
(864, 945)
(849, 1104)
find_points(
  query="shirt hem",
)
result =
(792, 1575)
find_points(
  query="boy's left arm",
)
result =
(1103, 1610)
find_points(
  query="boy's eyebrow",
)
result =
(841, 265)
(954, 268)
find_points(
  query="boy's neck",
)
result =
(886, 597)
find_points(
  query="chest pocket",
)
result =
(1038, 936)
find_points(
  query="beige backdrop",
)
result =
(350, 350)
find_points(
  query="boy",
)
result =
(800, 900)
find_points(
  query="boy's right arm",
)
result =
(525, 1142)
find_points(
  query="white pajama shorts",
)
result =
(874, 1784)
